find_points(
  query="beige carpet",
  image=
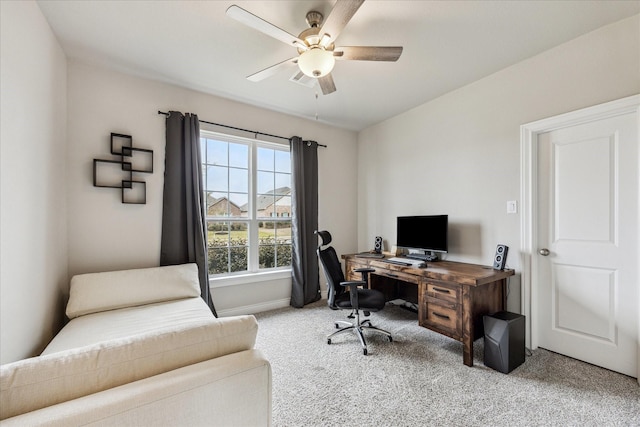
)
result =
(419, 379)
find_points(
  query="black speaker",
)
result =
(504, 341)
(377, 245)
(500, 260)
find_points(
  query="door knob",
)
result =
(544, 252)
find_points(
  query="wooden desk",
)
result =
(452, 296)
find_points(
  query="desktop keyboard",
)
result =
(405, 261)
(423, 257)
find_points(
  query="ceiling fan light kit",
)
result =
(316, 62)
(316, 48)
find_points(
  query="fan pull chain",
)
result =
(316, 105)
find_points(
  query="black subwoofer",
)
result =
(504, 335)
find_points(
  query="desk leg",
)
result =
(504, 294)
(467, 327)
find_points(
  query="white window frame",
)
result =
(254, 273)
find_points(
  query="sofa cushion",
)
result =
(42, 381)
(94, 292)
(124, 322)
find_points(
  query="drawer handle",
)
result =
(444, 291)
(442, 316)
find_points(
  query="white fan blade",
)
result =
(338, 18)
(257, 23)
(270, 71)
(368, 53)
(326, 84)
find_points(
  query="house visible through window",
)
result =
(248, 204)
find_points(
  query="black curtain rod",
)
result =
(241, 129)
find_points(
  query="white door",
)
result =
(585, 270)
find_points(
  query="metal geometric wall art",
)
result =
(119, 173)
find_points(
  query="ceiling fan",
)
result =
(317, 51)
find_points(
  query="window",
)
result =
(248, 204)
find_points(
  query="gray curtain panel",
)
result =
(184, 228)
(304, 221)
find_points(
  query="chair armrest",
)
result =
(353, 284)
(353, 291)
(365, 271)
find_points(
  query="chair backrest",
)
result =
(332, 270)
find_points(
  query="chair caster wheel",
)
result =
(390, 339)
(328, 340)
(364, 351)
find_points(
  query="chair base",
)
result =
(358, 328)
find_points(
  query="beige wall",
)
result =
(460, 154)
(107, 235)
(33, 227)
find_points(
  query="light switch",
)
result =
(512, 207)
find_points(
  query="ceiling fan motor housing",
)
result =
(314, 19)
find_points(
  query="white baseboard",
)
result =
(259, 308)
(254, 308)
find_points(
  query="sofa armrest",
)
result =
(230, 390)
(42, 381)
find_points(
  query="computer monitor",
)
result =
(426, 233)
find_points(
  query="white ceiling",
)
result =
(447, 44)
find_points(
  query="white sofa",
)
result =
(141, 349)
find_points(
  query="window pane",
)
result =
(216, 204)
(267, 254)
(239, 155)
(283, 232)
(266, 231)
(239, 206)
(239, 234)
(283, 161)
(238, 180)
(217, 152)
(265, 159)
(283, 206)
(283, 255)
(266, 207)
(218, 234)
(283, 184)
(266, 182)
(218, 260)
(228, 246)
(275, 244)
(239, 259)
(239, 250)
(217, 178)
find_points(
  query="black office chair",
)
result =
(356, 299)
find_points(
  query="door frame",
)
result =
(529, 195)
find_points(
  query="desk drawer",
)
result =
(444, 291)
(398, 275)
(443, 317)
